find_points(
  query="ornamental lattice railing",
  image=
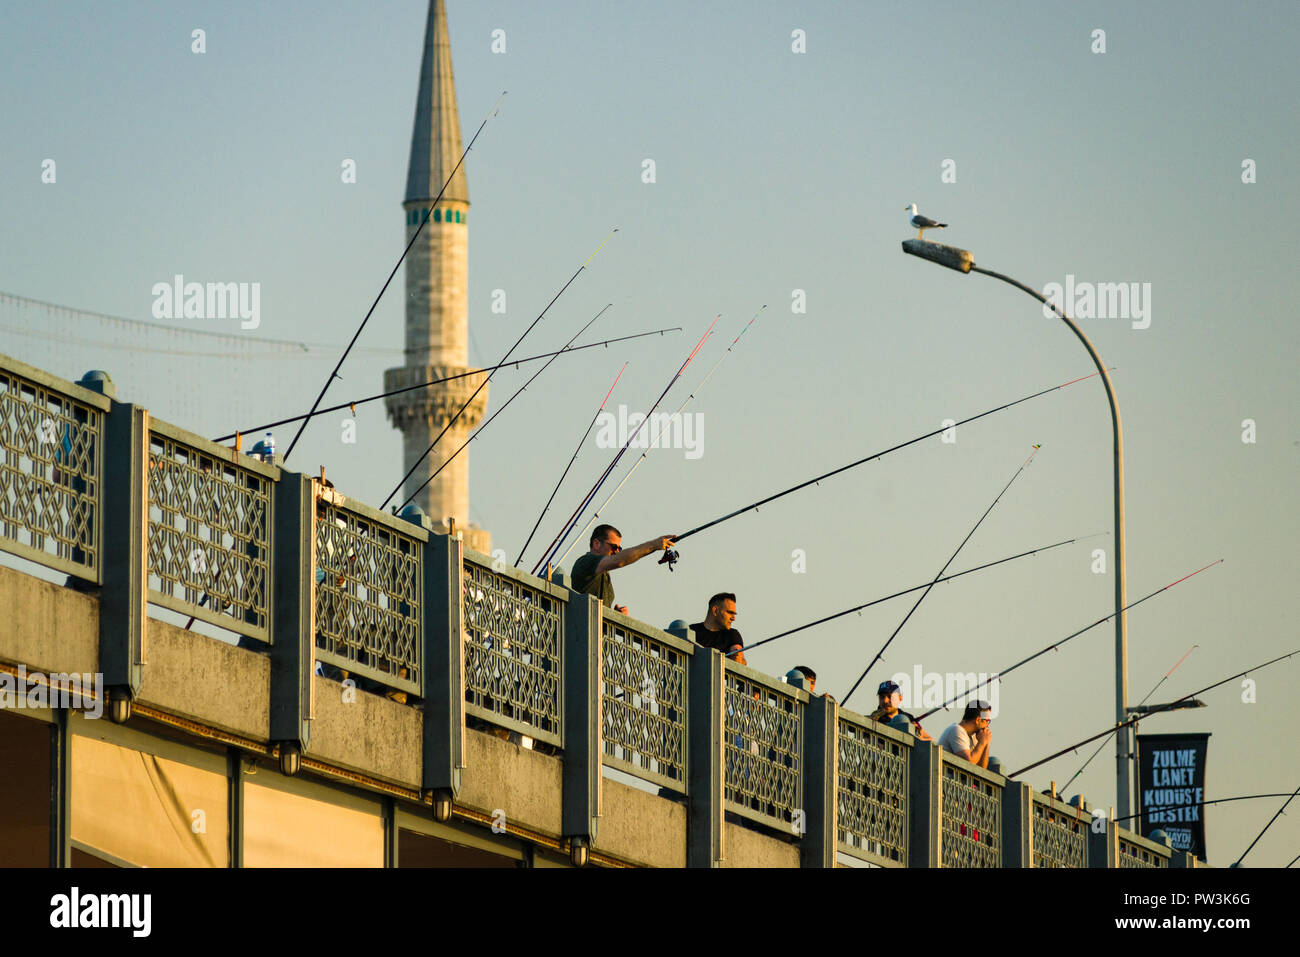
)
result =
(643, 683)
(513, 649)
(1060, 833)
(971, 833)
(209, 548)
(872, 791)
(369, 608)
(763, 723)
(51, 473)
(1136, 852)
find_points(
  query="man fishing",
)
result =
(970, 737)
(591, 571)
(715, 630)
(890, 697)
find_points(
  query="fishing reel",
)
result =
(670, 558)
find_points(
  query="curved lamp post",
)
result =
(962, 261)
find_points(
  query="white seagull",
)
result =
(922, 223)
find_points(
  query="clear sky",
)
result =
(775, 171)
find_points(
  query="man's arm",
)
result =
(637, 552)
(980, 755)
(737, 653)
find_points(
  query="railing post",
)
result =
(1182, 859)
(1103, 845)
(582, 709)
(1017, 825)
(123, 611)
(821, 769)
(293, 616)
(706, 764)
(925, 803)
(444, 669)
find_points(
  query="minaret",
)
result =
(437, 308)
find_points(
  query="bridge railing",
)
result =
(209, 534)
(971, 814)
(514, 648)
(644, 707)
(872, 790)
(1060, 833)
(369, 593)
(52, 436)
(1136, 851)
(763, 746)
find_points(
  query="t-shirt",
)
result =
(955, 740)
(584, 579)
(724, 641)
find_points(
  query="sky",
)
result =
(786, 140)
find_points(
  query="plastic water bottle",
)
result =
(268, 449)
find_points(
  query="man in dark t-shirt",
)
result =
(715, 630)
(591, 572)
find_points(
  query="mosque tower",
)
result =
(437, 307)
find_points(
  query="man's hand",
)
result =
(621, 608)
(983, 736)
(739, 654)
(923, 734)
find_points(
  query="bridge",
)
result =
(364, 691)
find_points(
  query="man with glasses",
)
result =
(970, 737)
(591, 571)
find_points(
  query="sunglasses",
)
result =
(614, 549)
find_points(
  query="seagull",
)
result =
(922, 223)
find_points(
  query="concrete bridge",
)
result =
(369, 692)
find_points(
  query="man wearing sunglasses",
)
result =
(591, 571)
(970, 738)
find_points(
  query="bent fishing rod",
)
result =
(483, 385)
(432, 382)
(881, 653)
(502, 408)
(670, 557)
(400, 259)
(844, 468)
(568, 525)
(908, 591)
(1121, 725)
(1052, 647)
(563, 475)
(1153, 690)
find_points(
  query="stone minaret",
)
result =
(437, 309)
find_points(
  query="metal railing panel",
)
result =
(209, 551)
(872, 790)
(643, 683)
(972, 815)
(1060, 833)
(51, 470)
(369, 601)
(514, 625)
(763, 747)
(1136, 851)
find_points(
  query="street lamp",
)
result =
(962, 261)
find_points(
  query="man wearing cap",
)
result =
(970, 737)
(890, 697)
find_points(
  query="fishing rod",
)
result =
(1139, 704)
(880, 654)
(1266, 827)
(844, 468)
(483, 385)
(1174, 807)
(1054, 646)
(670, 556)
(503, 407)
(908, 591)
(459, 375)
(578, 448)
(356, 335)
(572, 520)
(1119, 726)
